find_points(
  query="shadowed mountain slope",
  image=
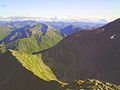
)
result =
(15, 77)
(70, 30)
(87, 54)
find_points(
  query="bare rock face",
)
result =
(87, 54)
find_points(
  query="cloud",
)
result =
(3, 5)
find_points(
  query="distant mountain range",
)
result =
(80, 24)
(14, 33)
(56, 19)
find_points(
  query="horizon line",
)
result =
(58, 18)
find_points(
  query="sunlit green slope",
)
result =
(4, 31)
(34, 64)
(36, 42)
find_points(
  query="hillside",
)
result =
(18, 73)
(70, 30)
(87, 54)
(43, 61)
(24, 71)
(90, 84)
(20, 67)
(34, 64)
(4, 31)
(31, 39)
(59, 25)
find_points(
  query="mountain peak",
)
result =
(115, 22)
(113, 26)
(118, 19)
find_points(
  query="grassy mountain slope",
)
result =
(15, 74)
(51, 38)
(34, 64)
(39, 40)
(4, 31)
(36, 43)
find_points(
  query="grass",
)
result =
(51, 38)
(28, 45)
(33, 44)
(2, 36)
(4, 31)
(35, 64)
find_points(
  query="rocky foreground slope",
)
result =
(17, 74)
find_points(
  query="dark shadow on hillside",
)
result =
(91, 54)
(13, 76)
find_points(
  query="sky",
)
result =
(74, 9)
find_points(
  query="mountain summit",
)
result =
(115, 25)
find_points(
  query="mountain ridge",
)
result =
(86, 59)
(31, 38)
(91, 51)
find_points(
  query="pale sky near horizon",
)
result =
(105, 9)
